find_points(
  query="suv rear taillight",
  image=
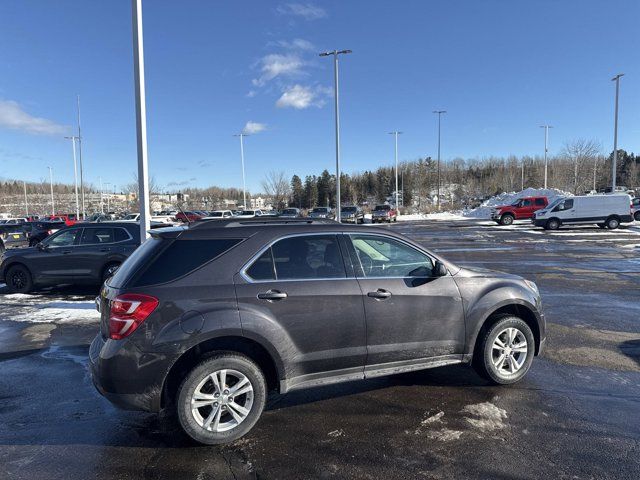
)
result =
(127, 312)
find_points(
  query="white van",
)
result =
(604, 210)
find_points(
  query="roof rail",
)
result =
(257, 222)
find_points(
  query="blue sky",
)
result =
(500, 69)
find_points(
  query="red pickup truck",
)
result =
(68, 219)
(521, 209)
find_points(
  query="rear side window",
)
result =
(94, 236)
(300, 258)
(180, 258)
(120, 234)
(540, 202)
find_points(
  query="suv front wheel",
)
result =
(221, 399)
(505, 351)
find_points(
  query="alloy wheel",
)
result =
(222, 400)
(509, 351)
(18, 280)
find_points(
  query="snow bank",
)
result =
(484, 210)
(36, 309)
(432, 216)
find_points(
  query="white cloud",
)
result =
(295, 44)
(14, 117)
(301, 97)
(275, 64)
(251, 93)
(308, 11)
(254, 127)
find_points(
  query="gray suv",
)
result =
(207, 319)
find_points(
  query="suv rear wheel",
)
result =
(506, 219)
(221, 399)
(505, 351)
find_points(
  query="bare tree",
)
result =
(276, 185)
(582, 154)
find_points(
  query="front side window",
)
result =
(526, 203)
(94, 236)
(300, 258)
(566, 204)
(387, 257)
(63, 239)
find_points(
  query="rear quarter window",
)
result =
(179, 258)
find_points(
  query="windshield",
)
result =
(216, 214)
(248, 212)
(131, 216)
(349, 209)
(320, 210)
(289, 211)
(383, 207)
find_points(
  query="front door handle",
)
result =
(272, 295)
(66, 251)
(379, 294)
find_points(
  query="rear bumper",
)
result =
(117, 372)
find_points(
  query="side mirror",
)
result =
(439, 269)
(41, 246)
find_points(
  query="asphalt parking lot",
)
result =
(576, 414)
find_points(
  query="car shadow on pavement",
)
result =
(452, 376)
(631, 348)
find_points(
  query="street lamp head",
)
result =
(439, 111)
(617, 77)
(334, 52)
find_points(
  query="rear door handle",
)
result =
(272, 295)
(379, 294)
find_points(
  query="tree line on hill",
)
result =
(578, 168)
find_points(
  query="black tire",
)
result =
(227, 361)
(18, 279)
(552, 224)
(507, 219)
(486, 356)
(612, 223)
(109, 269)
(636, 216)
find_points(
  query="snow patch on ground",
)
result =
(485, 416)
(448, 216)
(445, 435)
(36, 309)
(484, 210)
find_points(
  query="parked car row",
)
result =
(606, 211)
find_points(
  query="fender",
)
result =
(489, 296)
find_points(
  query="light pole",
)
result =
(395, 134)
(335, 54)
(26, 202)
(79, 138)
(439, 112)
(53, 205)
(75, 173)
(546, 149)
(615, 135)
(101, 202)
(244, 184)
(108, 195)
(141, 118)
(522, 176)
